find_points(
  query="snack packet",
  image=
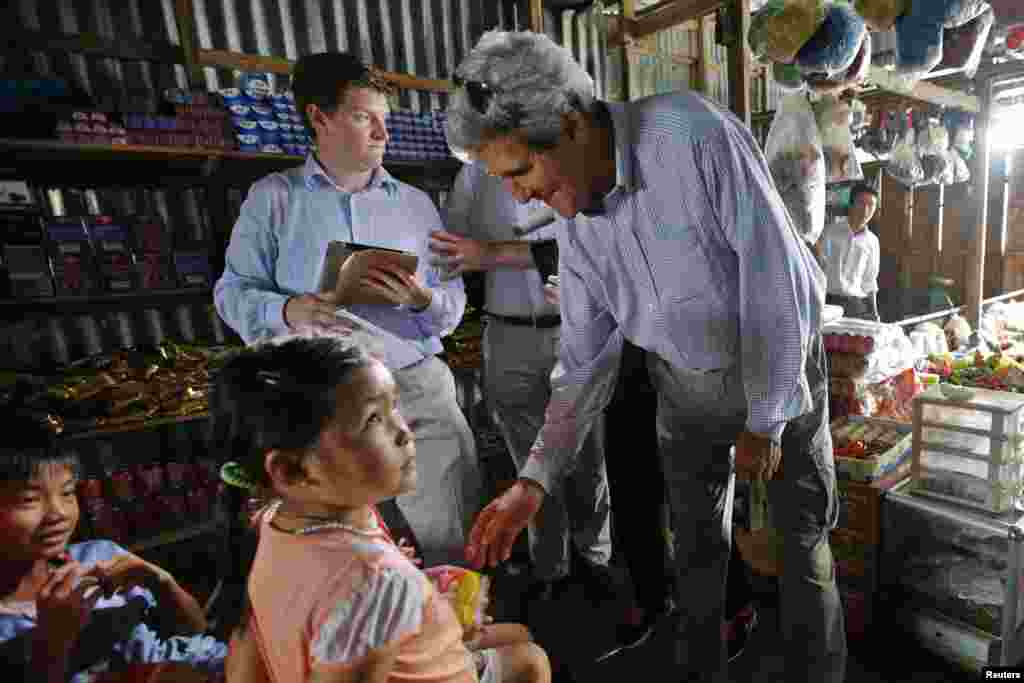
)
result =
(467, 590)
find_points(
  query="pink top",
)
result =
(324, 600)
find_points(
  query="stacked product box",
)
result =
(194, 119)
(25, 263)
(153, 250)
(115, 253)
(71, 257)
(92, 127)
(265, 121)
(416, 136)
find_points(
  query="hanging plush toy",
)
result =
(919, 26)
(824, 46)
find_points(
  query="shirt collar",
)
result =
(625, 180)
(315, 176)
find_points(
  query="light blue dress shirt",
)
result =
(694, 258)
(480, 207)
(278, 245)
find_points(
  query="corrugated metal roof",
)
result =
(422, 37)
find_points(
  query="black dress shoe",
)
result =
(629, 635)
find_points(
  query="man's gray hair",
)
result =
(534, 81)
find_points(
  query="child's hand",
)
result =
(63, 608)
(127, 571)
(409, 551)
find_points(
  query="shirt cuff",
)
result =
(434, 310)
(535, 470)
(274, 314)
(771, 430)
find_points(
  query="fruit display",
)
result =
(997, 371)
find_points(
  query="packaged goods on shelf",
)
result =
(866, 449)
(115, 255)
(968, 450)
(887, 349)
(71, 257)
(25, 263)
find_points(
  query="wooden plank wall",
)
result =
(914, 247)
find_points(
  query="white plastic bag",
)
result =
(834, 120)
(904, 163)
(794, 154)
(932, 148)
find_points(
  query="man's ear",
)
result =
(317, 117)
(573, 125)
(285, 470)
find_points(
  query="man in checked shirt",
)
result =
(677, 241)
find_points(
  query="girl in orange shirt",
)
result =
(313, 423)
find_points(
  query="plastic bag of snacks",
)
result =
(793, 150)
(780, 28)
(467, 591)
(904, 163)
(834, 117)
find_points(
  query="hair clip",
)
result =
(233, 474)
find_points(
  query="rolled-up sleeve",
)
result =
(246, 295)
(583, 380)
(776, 285)
(448, 304)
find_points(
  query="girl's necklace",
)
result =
(329, 524)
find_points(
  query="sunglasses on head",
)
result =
(480, 94)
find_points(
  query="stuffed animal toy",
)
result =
(919, 26)
(824, 46)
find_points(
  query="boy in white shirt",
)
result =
(849, 254)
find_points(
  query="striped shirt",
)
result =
(279, 242)
(481, 207)
(692, 257)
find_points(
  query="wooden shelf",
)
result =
(173, 536)
(133, 427)
(94, 302)
(135, 163)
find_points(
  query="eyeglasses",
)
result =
(480, 94)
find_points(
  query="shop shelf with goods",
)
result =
(951, 574)
(967, 447)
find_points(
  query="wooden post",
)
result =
(975, 284)
(706, 38)
(628, 17)
(186, 20)
(940, 222)
(739, 62)
(537, 16)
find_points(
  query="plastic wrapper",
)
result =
(834, 46)
(904, 163)
(932, 149)
(841, 164)
(467, 591)
(793, 150)
(780, 28)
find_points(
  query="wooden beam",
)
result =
(740, 62)
(974, 289)
(672, 14)
(706, 46)
(23, 40)
(224, 59)
(537, 16)
(185, 17)
(925, 91)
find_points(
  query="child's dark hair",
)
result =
(279, 395)
(324, 77)
(862, 188)
(29, 444)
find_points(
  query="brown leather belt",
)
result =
(540, 322)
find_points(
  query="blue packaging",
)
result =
(282, 117)
(271, 149)
(279, 103)
(231, 96)
(247, 126)
(261, 112)
(255, 87)
(286, 138)
(248, 142)
(297, 118)
(239, 109)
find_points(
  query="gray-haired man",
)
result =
(676, 240)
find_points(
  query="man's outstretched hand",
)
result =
(500, 523)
